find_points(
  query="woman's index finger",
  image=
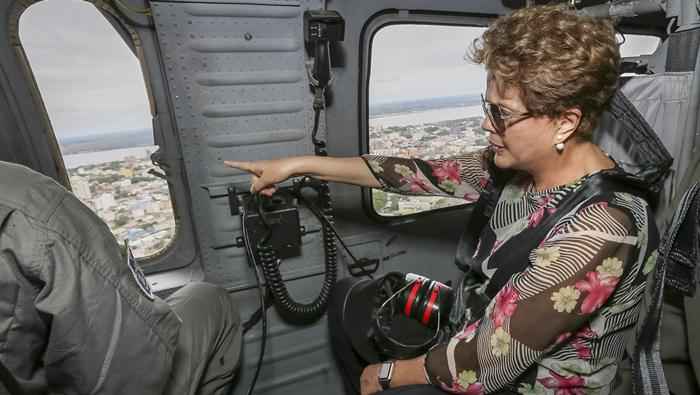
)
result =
(245, 166)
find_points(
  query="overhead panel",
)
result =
(238, 85)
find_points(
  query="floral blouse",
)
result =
(560, 326)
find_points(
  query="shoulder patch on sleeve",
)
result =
(137, 272)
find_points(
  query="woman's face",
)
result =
(518, 140)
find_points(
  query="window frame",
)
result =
(396, 17)
(629, 34)
(656, 60)
(183, 250)
(371, 28)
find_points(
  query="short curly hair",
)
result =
(556, 59)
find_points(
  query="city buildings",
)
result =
(134, 204)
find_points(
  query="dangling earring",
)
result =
(559, 147)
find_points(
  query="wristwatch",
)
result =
(385, 373)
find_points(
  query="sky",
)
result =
(89, 79)
(91, 82)
(419, 61)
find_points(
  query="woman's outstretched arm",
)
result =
(267, 173)
(460, 177)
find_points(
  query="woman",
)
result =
(560, 324)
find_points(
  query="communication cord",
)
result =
(289, 309)
(261, 292)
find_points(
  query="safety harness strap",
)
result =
(467, 305)
(676, 267)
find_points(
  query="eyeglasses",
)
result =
(500, 119)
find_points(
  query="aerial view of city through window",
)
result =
(440, 128)
(424, 102)
(94, 92)
(115, 183)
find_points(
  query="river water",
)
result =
(97, 157)
(404, 119)
(430, 116)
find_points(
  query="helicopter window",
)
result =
(95, 97)
(424, 101)
(637, 44)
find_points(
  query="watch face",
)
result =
(385, 370)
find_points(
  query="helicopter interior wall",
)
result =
(236, 78)
(228, 81)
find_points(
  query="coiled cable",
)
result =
(291, 310)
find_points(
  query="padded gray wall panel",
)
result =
(238, 82)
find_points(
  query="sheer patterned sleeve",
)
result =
(460, 176)
(570, 277)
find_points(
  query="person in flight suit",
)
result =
(78, 317)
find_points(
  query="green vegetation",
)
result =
(137, 179)
(121, 221)
(108, 179)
